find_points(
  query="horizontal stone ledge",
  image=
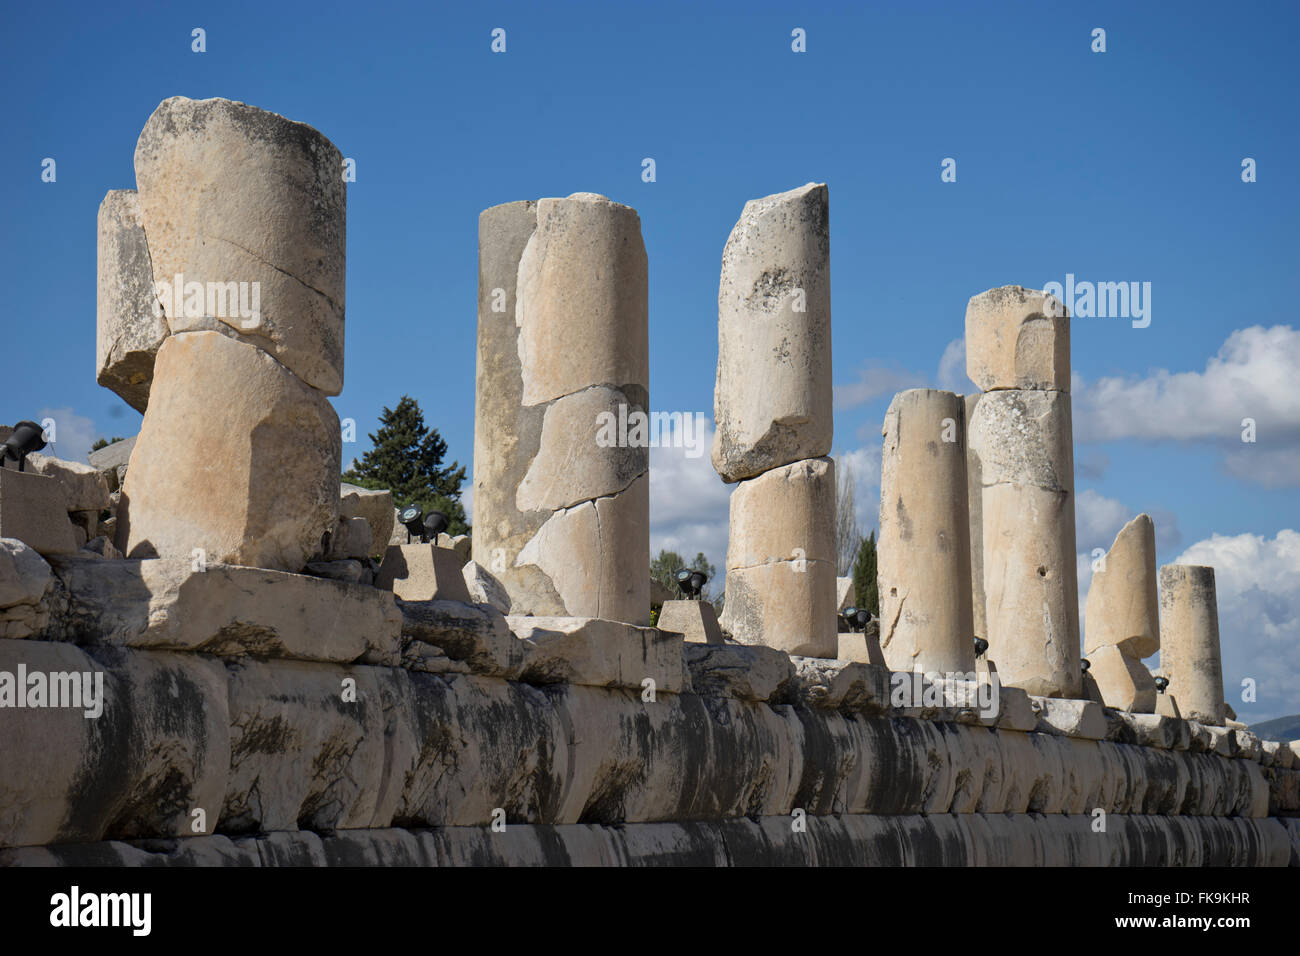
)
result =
(976, 840)
(279, 745)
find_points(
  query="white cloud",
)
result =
(73, 434)
(952, 369)
(873, 382)
(1253, 376)
(1258, 585)
(1097, 519)
(864, 463)
(688, 502)
(467, 499)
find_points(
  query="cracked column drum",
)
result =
(1024, 441)
(561, 441)
(1189, 641)
(924, 572)
(247, 210)
(781, 560)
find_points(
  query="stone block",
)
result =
(696, 621)
(1017, 338)
(32, 509)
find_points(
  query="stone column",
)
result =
(1189, 644)
(1123, 620)
(924, 564)
(1018, 352)
(560, 442)
(243, 215)
(975, 508)
(772, 409)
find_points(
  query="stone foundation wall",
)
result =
(562, 728)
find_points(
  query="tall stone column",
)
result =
(772, 409)
(924, 552)
(975, 508)
(243, 216)
(1018, 352)
(560, 464)
(1189, 641)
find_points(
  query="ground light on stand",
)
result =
(691, 583)
(412, 519)
(27, 438)
(981, 646)
(435, 523)
(856, 617)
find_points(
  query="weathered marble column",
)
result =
(560, 465)
(772, 409)
(243, 215)
(1189, 641)
(1018, 352)
(1123, 620)
(975, 508)
(924, 565)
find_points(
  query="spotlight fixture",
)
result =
(981, 646)
(1162, 683)
(412, 519)
(691, 583)
(27, 438)
(1085, 664)
(856, 617)
(435, 522)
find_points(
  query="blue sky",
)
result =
(1115, 166)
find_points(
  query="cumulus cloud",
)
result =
(1097, 519)
(73, 434)
(1252, 376)
(875, 381)
(864, 464)
(1258, 585)
(952, 369)
(688, 502)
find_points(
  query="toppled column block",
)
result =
(975, 506)
(1123, 604)
(696, 621)
(376, 507)
(598, 653)
(236, 458)
(129, 323)
(772, 400)
(247, 210)
(24, 584)
(422, 572)
(33, 510)
(781, 560)
(84, 488)
(924, 569)
(350, 539)
(177, 604)
(1189, 644)
(861, 647)
(484, 588)
(1017, 338)
(1123, 681)
(1024, 442)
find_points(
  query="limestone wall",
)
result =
(418, 734)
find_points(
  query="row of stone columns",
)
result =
(977, 535)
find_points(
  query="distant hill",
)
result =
(1279, 728)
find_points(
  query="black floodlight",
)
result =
(856, 617)
(412, 519)
(981, 646)
(27, 438)
(1162, 683)
(691, 582)
(435, 522)
(1085, 664)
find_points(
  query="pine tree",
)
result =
(407, 460)
(866, 592)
